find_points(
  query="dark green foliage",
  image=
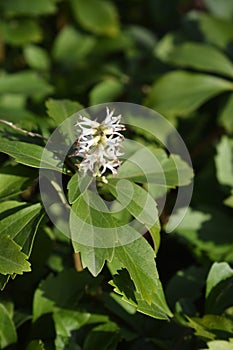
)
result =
(162, 291)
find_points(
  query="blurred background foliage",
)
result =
(176, 57)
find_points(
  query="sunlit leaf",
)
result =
(194, 55)
(180, 93)
(26, 7)
(27, 83)
(30, 154)
(106, 91)
(211, 326)
(215, 30)
(222, 9)
(124, 286)
(71, 46)
(37, 57)
(225, 117)
(224, 161)
(12, 260)
(219, 345)
(18, 32)
(219, 288)
(97, 16)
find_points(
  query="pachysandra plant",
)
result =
(124, 209)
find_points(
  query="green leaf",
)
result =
(93, 257)
(62, 291)
(224, 161)
(90, 238)
(3, 281)
(190, 92)
(8, 333)
(201, 231)
(222, 9)
(139, 259)
(59, 110)
(220, 345)
(74, 188)
(106, 91)
(218, 272)
(124, 286)
(219, 288)
(225, 117)
(11, 259)
(107, 336)
(30, 154)
(67, 321)
(153, 166)
(71, 46)
(26, 7)
(135, 199)
(186, 285)
(27, 83)
(11, 206)
(20, 31)
(37, 57)
(97, 16)
(194, 55)
(22, 225)
(13, 179)
(36, 345)
(215, 30)
(229, 201)
(211, 326)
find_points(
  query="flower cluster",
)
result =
(99, 144)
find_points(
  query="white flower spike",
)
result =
(99, 144)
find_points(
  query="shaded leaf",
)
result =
(36, 345)
(201, 231)
(62, 291)
(186, 285)
(107, 336)
(67, 321)
(21, 226)
(59, 110)
(13, 179)
(8, 333)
